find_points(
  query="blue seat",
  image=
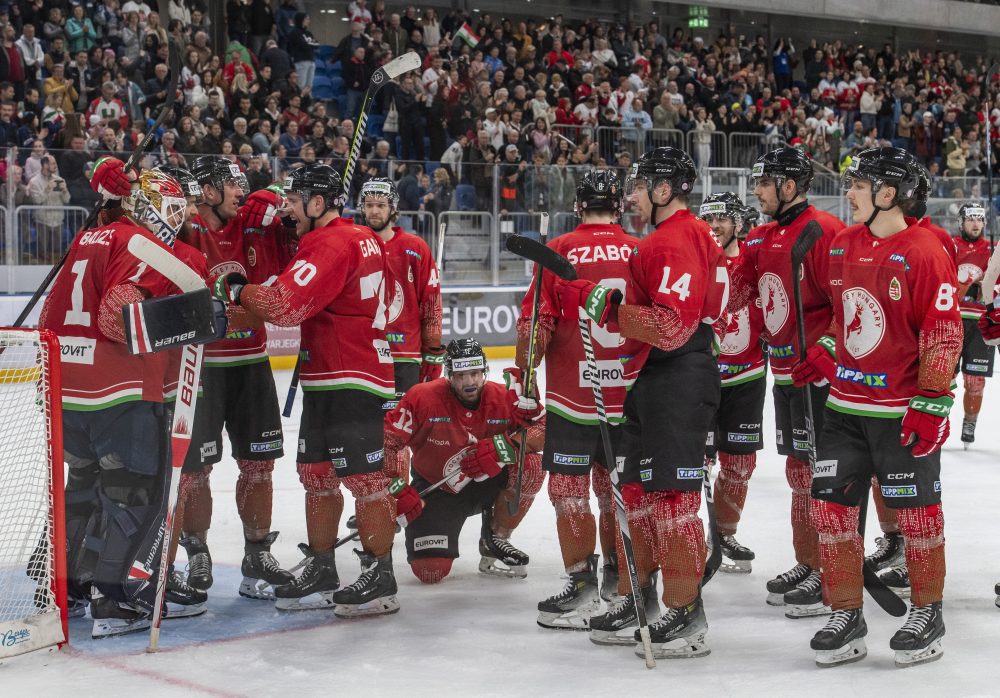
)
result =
(323, 93)
(338, 85)
(334, 69)
(465, 197)
(322, 81)
(325, 52)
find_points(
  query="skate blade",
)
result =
(493, 567)
(321, 600)
(735, 566)
(807, 611)
(619, 638)
(908, 658)
(853, 651)
(176, 610)
(260, 589)
(577, 619)
(678, 648)
(378, 607)
(113, 627)
(775, 599)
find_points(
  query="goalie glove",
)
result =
(431, 364)
(488, 458)
(925, 424)
(524, 411)
(819, 367)
(157, 324)
(262, 207)
(110, 180)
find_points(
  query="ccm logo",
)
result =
(899, 476)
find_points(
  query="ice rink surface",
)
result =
(476, 636)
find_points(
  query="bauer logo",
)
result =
(825, 468)
(690, 473)
(646, 475)
(735, 437)
(265, 446)
(374, 456)
(15, 636)
(899, 490)
(568, 459)
(430, 542)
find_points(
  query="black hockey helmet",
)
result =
(315, 179)
(379, 186)
(188, 181)
(893, 167)
(725, 204)
(751, 219)
(664, 164)
(465, 355)
(217, 170)
(599, 190)
(782, 164)
(973, 210)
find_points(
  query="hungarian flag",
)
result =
(467, 35)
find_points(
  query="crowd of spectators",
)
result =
(511, 107)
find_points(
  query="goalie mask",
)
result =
(157, 203)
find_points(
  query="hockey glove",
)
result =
(925, 424)
(597, 301)
(488, 458)
(409, 505)
(819, 366)
(261, 207)
(110, 180)
(524, 411)
(989, 325)
(431, 364)
(227, 287)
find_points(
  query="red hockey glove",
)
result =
(989, 325)
(409, 505)
(227, 287)
(432, 361)
(110, 180)
(261, 207)
(488, 458)
(524, 411)
(925, 424)
(819, 366)
(632, 493)
(595, 300)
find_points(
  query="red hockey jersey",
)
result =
(885, 293)
(335, 289)
(741, 354)
(766, 266)
(415, 294)
(971, 258)
(98, 372)
(436, 426)
(599, 253)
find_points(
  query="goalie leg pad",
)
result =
(375, 510)
(253, 497)
(923, 529)
(158, 324)
(575, 523)
(431, 570)
(82, 506)
(324, 503)
(841, 552)
(799, 476)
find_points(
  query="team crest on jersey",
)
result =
(396, 307)
(895, 289)
(969, 273)
(864, 322)
(737, 336)
(251, 256)
(226, 268)
(774, 301)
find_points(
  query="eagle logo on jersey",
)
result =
(396, 307)
(737, 337)
(774, 301)
(969, 273)
(864, 322)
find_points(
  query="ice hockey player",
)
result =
(681, 284)
(599, 250)
(114, 423)
(464, 426)
(334, 289)
(762, 272)
(238, 393)
(738, 430)
(898, 339)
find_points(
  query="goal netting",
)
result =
(32, 527)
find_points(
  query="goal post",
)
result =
(33, 606)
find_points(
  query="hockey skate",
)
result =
(500, 558)
(112, 618)
(678, 634)
(806, 599)
(842, 639)
(199, 567)
(314, 587)
(609, 578)
(736, 558)
(891, 551)
(374, 592)
(784, 583)
(968, 433)
(181, 599)
(919, 640)
(898, 580)
(77, 608)
(617, 625)
(261, 571)
(571, 608)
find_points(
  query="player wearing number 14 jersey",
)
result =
(335, 289)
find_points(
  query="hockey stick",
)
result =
(187, 280)
(883, 595)
(991, 215)
(168, 106)
(715, 558)
(387, 73)
(442, 226)
(514, 505)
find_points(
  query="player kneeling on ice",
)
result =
(898, 339)
(334, 289)
(115, 316)
(461, 432)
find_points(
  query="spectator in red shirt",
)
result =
(557, 53)
(235, 65)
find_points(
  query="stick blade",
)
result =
(545, 257)
(807, 238)
(404, 64)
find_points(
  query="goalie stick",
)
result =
(140, 149)
(882, 594)
(383, 76)
(164, 262)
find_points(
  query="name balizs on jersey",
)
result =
(100, 236)
(592, 254)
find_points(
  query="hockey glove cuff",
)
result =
(488, 458)
(431, 364)
(228, 287)
(819, 366)
(110, 180)
(925, 424)
(989, 325)
(597, 301)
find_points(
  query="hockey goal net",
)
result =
(32, 527)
